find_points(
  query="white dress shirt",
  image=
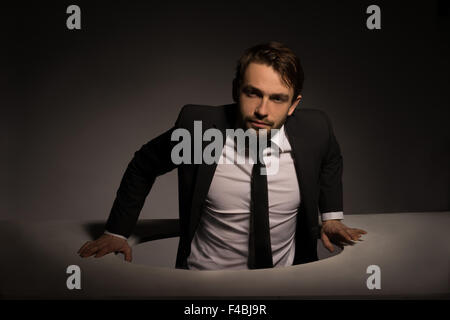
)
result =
(221, 238)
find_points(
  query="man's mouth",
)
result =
(259, 124)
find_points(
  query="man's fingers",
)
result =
(84, 246)
(327, 243)
(347, 237)
(94, 247)
(354, 235)
(99, 242)
(90, 250)
(127, 252)
(102, 252)
(91, 245)
(360, 231)
(105, 245)
(357, 233)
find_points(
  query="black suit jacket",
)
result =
(317, 159)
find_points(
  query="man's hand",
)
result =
(104, 245)
(334, 231)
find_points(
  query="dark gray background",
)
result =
(76, 105)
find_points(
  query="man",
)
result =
(232, 217)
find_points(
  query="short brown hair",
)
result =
(277, 55)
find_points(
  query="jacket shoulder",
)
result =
(311, 117)
(310, 112)
(205, 113)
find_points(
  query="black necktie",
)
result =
(260, 250)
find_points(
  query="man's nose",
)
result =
(262, 110)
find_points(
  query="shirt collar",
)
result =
(280, 139)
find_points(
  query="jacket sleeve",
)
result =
(331, 194)
(150, 161)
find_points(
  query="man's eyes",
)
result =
(279, 99)
(252, 94)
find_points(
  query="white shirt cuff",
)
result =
(332, 215)
(115, 234)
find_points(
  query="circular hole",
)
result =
(162, 253)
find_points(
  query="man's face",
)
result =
(264, 100)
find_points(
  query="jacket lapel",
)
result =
(304, 163)
(205, 172)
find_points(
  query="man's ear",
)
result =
(294, 104)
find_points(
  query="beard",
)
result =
(257, 124)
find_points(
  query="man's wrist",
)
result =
(333, 215)
(115, 235)
(331, 220)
